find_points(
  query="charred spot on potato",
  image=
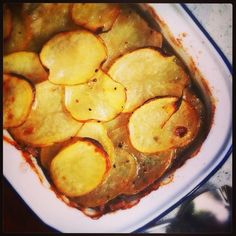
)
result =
(180, 131)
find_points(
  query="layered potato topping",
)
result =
(91, 88)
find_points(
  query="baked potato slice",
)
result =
(146, 73)
(121, 173)
(97, 17)
(20, 35)
(128, 33)
(79, 168)
(158, 126)
(48, 122)
(7, 21)
(26, 64)
(98, 132)
(18, 96)
(101, 98)
(73, 57)
(46, 20)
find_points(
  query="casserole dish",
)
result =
(157, 202)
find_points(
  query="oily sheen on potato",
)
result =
(146, 73)
(26, 64)
(157, 125)
(47, 122)
(101, 98)
(73, 57)
(95, 16)
(79, 168)
(18, 96)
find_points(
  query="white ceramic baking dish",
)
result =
(205, 60)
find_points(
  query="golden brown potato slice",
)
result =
(7, 21)
(101, 98)
(20, 34)
(73, 57)
(18, 96)
(129, 32)
(46, 20)
(79, 168)
(120, 175)
(48, 121)
(26, 64)
(98, 132)
(146, 73)
(95, 16)
(154, 127)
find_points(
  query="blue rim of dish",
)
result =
(189, 195)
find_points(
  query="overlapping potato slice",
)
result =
(73, 57)
(149, 167)
(95, 16)
(20, 34)
(46, 20)
(26, 64)
(101, 98)
(79, 168)
(146, 73)
(48, 121)
(121, 174)
(7, 21)
(98, 132)
(18, 96)
(158, 125)
(128, 32)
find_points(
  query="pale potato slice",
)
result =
(123, 172)
(128, 32)
(146, 73)
(73, 57)
(95, 16)
(150, 169)
(98, 132)
(158, 125)
(20, 34)
(79, 168)
(101, 98)
(18, 96)
(48, 121)
(46, 20)
(7, 21)
(26, 64)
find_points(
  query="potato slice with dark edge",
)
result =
(149, 167)
(73, 57)
(101, 98)
(46, 20)
(128, 32)
(95, 16)
(98, 132)
(146, 73)
(48, 121)
(20, 34)
(7, 21)
(18, 96)
(92, 130)
(122, 172)
(26, 64)
(154, 127)
(79, 168)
